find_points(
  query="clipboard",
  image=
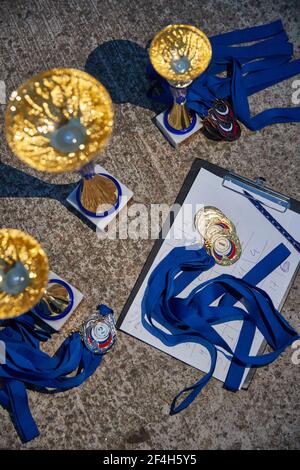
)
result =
(232, 182)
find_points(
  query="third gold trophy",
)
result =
(25, 284)
(179, 53)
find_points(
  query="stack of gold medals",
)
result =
(219, 235)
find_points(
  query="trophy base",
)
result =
(76, 299)
(177, 138)
(103, 220)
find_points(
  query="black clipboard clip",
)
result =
(266, 196)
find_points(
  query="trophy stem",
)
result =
(87, 171)
(179, 117)
(56, 299)
(98, 193)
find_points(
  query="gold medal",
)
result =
(219, 235)
(208, 216)
(225, 248)
(212, 230)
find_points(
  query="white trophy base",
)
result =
(176, 139)
(102, 222)
(78, 296)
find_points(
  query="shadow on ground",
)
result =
(120, 65)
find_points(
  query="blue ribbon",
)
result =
(191, 319)
(27, 366)
(249, 69)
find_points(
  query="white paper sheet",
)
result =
(258, 238)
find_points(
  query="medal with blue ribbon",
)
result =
(26, 366)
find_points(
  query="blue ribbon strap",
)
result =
(27, 366)
(191, 319)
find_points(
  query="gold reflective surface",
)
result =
(18, 246)
(179, 117)
(207, 217)
(178, 41)
(218, 235)
(56, 299)
(49, 100)
(99, 194)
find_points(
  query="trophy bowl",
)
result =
(59, 120)
(180, 53)
(23, 272)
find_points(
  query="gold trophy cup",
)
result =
(58, 121)
(180, 53)
(24, 274)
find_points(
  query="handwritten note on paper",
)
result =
(258, 238)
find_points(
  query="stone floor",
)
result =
(125, 404)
